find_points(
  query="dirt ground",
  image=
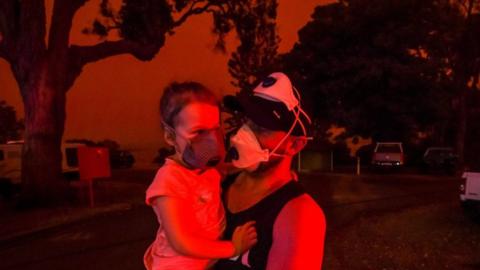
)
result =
(437, 236)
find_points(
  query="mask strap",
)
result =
(297, 119)
(296, 111)
(305, 114)
(300, 108)
(297, 93)
(297, 114)
(300, 111)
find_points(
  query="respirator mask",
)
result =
(203, 151)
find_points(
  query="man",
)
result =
(290, 225)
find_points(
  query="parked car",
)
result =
(162, 154)
(470, 193)
(11, 163)
(388, 154)
(440, 158)
(121, 159)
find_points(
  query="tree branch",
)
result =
(83, 55)
(2, 46)
(63, 12)
(193, 10)
(7, 28)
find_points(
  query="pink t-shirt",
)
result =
(202, 191)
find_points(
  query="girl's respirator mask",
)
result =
(203, 151)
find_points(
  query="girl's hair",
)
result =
(178, 95)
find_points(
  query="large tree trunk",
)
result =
(44, 102)
(463, 71)
(462, 115)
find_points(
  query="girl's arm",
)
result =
(177, 218)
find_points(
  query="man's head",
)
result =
(276, 126)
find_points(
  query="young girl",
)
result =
(185, 193)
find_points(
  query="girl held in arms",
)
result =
(185, 193)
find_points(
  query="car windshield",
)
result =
(389, 148)
(441, 151)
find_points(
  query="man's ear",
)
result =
(296, 145)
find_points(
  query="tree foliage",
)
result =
(380, 68)
(255, 25)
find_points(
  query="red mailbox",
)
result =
(93, 162)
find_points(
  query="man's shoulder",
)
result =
(301, 221)
(301, 212)
(303, 205)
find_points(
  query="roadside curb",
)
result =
(86, 214)
(388, 177)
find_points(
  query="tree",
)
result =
(10, 127)
(45, 71)
(255, 25)
(464, 61)
(375, 67)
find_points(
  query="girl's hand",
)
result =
(244, 237)
(177, 218)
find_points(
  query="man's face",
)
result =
(256, 149)
(269, 139)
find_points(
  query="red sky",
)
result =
(117, 98)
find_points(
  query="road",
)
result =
(345, 198)
(117, 240)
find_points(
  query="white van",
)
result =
(11, 160)
(470, 194)
(470, 187)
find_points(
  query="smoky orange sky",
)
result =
(117, 98)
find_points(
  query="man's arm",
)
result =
(298, 236)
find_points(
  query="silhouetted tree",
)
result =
(46, 68)
(380, 68)
(255, 25)
(464, 61)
